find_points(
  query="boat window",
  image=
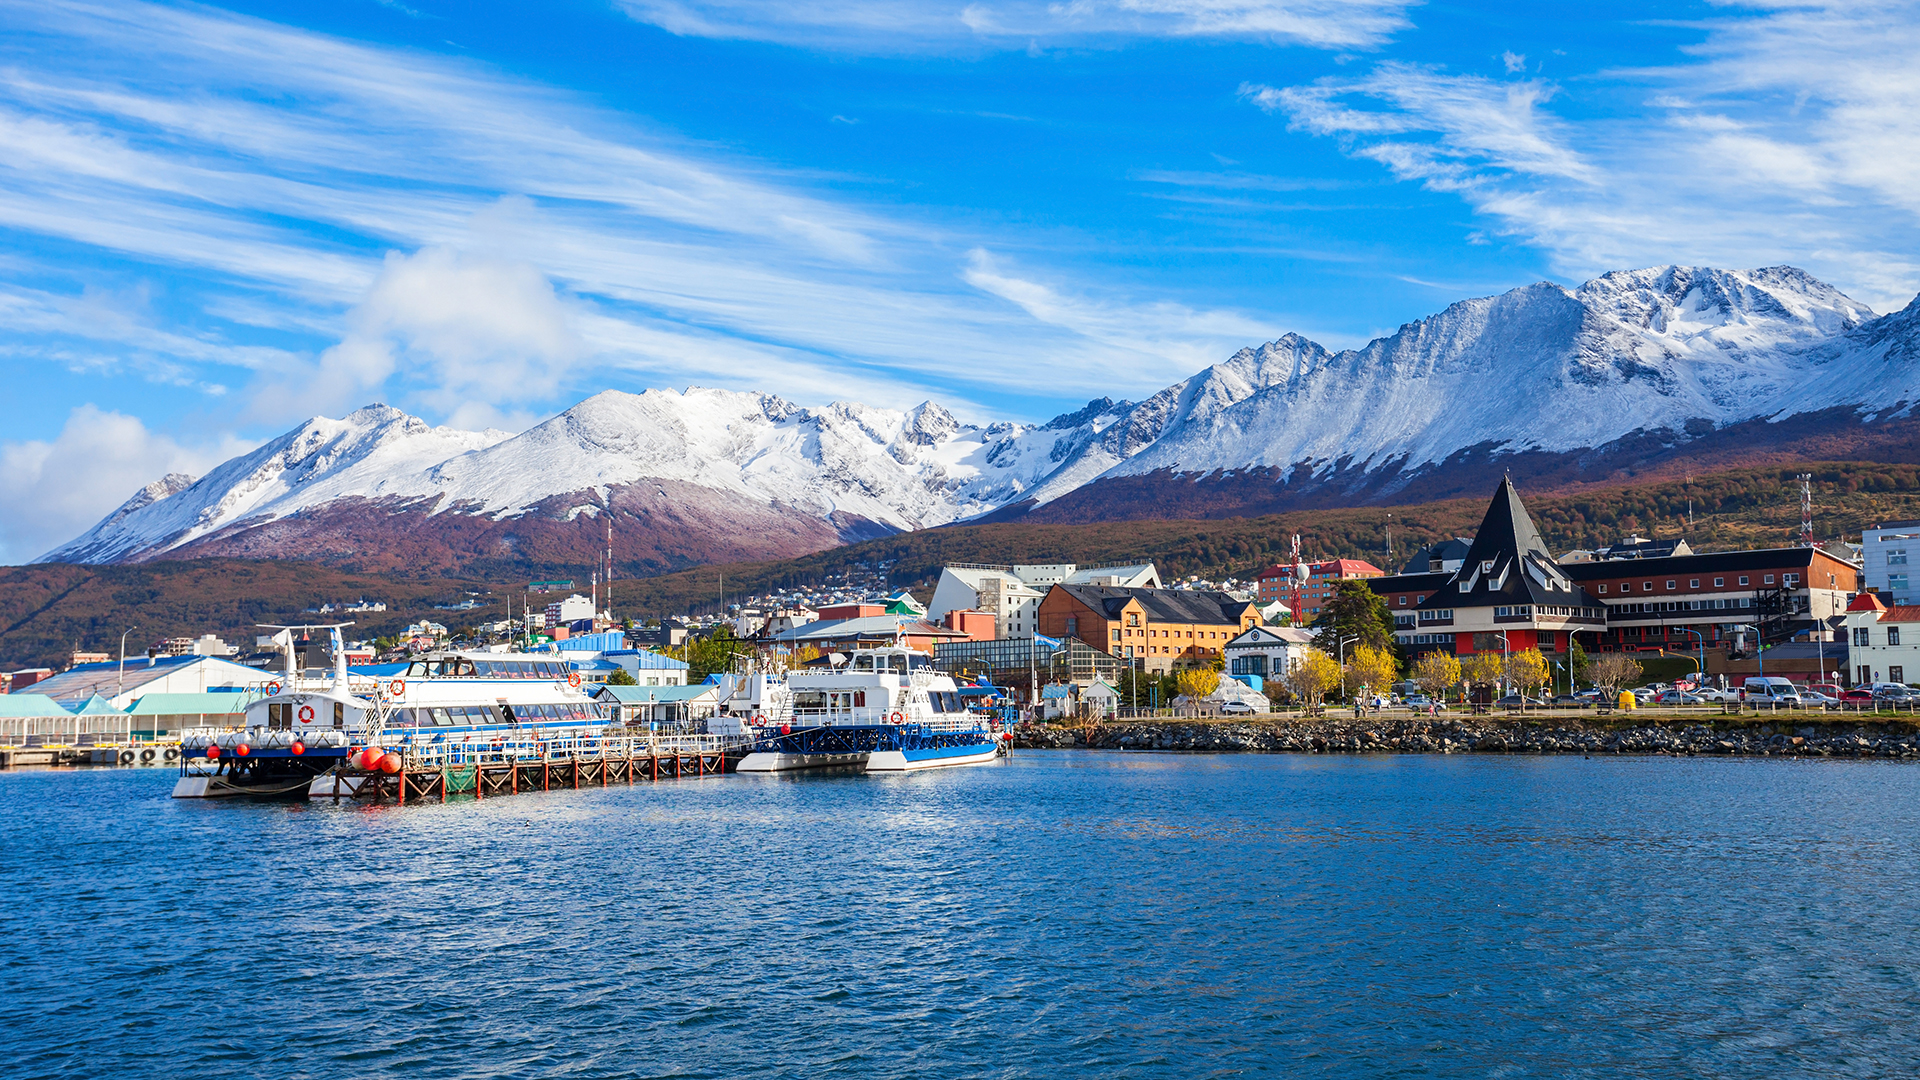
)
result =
(809, 701)
(416, 669)
(440, 717)
(863, 663)
(517, 668)
(462, 666)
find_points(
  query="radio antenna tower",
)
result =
(1806, 509)
(1299, 572)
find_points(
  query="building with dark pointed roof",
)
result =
(1507, 595)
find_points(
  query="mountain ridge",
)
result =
(1632, 371)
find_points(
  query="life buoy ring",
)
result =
(306, 714)
(573, 678)
(897, 718)
(397, 687)
(273, 688)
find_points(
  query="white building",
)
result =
(123, 684)
(571, 610)
(1884, 551)
(1883, 643)
(1012, 594)
(1265, 652)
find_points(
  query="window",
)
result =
(1116, 634)
(1403, 601)
(1896, 582)
(1603, 590)
(1893, 638)
(1671, 583)
(1626, 586)
(1646, 586)
(1768, 579)
(1866, 674)
(1743, 579)
(1897, 557)
(1896, 673)
(1860, 635)
(1693, 583)
(1718, 582)
(1789, 579)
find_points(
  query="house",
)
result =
(1883, 642)
(1012, 594)
(569, 611)
(1322, 578)
(1260, 653)
(649, 668)
(1152, 628)
(1101, 698)
(1441, 557)
(661, 705)
(15, 681)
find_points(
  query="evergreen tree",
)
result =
(1354, 611)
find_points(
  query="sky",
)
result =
(219, 220)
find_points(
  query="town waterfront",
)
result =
(1061, 913)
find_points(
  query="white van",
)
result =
(1771, 689)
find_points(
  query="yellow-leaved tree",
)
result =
(1437, 673)
(1311, 676)
(1371, 668)
(1527, 669)
(1483, 669)
(1196, 683)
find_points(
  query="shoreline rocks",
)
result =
(1484, 735)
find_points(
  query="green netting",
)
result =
(462, 778)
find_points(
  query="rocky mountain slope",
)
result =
(1631, 370)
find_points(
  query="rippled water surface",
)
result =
(1060, 914)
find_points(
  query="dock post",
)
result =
(479, 780)
(400, 794)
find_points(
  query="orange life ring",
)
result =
(306, 714)
(897, 718)
(397, 688)
(573, 678)
(273, 688)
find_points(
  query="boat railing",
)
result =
(561, 747)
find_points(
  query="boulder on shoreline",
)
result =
(1483, 735)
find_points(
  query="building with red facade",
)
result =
(1276, 583)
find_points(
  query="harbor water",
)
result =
(1058, 914)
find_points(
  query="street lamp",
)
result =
(120, 684)
(1343, 662)
(1700, 668)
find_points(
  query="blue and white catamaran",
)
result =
(884, 709)
(453, 703)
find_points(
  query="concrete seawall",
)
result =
(1491, 735)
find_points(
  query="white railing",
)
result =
(561, 748)
(66, 730)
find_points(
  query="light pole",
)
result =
(120, 683)
(1506, 657)
(1700, 668)
(1343, 660)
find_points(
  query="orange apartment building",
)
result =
(1276, 583)
(1153, 629)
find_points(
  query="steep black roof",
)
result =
(1162, 605)
(1508, 564)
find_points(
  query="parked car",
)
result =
(1681, 697)
(1421, 703)
(1717, 696)
(1578, 701)
(1591, 693)
(1515, 701)
(1893, 695)
(1814, 699)
(1770, 690)
(1645, 695)
(1237, 708)
(1857, 695)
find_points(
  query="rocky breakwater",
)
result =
(1487, 735)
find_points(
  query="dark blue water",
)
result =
(1063, 914)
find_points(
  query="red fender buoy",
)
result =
(213, 753)
(370, 758)
(297, 748)
(241, 749)
(786, 729)
(390, 763)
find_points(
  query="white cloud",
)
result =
(896, 26)
(52, 491)
(1790, 136)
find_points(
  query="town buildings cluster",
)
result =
(1061, 636)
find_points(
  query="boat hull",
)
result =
(932, 757)
(767, 761)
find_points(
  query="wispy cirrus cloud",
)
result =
(899, 26)
(1790, 135)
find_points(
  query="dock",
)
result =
(565, 771)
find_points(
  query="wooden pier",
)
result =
(492, 779)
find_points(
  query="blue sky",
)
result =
(219, 220)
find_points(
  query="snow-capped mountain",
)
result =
(1544, 381)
